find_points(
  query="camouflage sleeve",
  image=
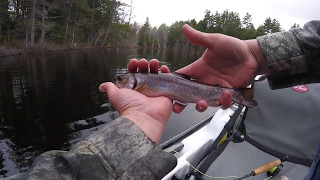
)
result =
(293, 56)
(120, 150)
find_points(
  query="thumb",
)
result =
(197, 37)
(109, 88)
(193, 70)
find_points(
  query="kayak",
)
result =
(278, 139)
(196, 146)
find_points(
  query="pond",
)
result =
(51, 100)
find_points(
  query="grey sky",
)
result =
(287, 12)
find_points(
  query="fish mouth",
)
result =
(119, 78)
(126, 81)
(120, 81)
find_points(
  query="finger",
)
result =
(164, 69)
(143, 66)
(108, 87)
(192, 70)
(133, 66)
(178, 108)
(201, 105)
(204, 75)
(226, 99)
(154, 66)
(197, 37)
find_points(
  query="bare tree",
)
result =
(33, 19)
(46, 25)
(131, 16)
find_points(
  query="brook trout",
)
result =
(181, 89)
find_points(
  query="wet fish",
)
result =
(181, 89)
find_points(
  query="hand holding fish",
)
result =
(149, 113)
(141, 66)
(227, 61)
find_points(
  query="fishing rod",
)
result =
(273, 168)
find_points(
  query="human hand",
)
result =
(227, 61)
(150, 113)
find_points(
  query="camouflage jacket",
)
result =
(293, 56)
(120, 150)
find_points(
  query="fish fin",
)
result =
(184, 76)
(181, 103)
(248, 95)
(214, 103)
(217, 85)
(141, 88)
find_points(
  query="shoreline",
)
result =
(12, 51)
(6, 51)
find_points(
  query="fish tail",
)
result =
(248, 95)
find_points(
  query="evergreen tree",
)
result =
(175, 34)
(144, 34)
(261, 31)
(103, 23)
(271, 26)
(162, 35)
(4, 17)
(248, 30)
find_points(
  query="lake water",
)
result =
(51, 100)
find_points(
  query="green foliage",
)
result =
(162, 34)
(247, 31)
(174, 34)
(144, 34)
(102, 23)
(227, 22)
(261, 31)
(68, 22)
(271, 26)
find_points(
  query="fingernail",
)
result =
(102, 89)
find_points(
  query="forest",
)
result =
(60, 24)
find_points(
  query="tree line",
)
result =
(227, 22)
(74, 23)
(71, 22)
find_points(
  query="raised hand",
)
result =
(227, 61)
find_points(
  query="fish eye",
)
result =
(119, 78)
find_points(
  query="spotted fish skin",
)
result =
(180, 89)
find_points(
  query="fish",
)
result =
(181, 89)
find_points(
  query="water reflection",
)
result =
(51, 101)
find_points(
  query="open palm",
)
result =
(149, 113)
(127, 101)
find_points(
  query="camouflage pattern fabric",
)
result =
(120, 150)
(293, 56)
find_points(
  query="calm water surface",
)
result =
(51, 101)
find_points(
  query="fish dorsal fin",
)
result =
(217, 85)
(184, 76)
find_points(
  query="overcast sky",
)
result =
(287, 12)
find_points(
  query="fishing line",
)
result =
(212, 177)
(204, 174)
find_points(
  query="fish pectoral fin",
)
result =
(182, 103)
(214, 103)
(141, 88)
